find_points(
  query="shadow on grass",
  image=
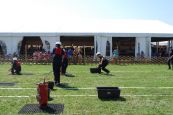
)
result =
(115, 99)
(50, 99)
(66, 86)
(27, 74)
(7, 84)
(69, 75)
(53, 89)
(107, 74)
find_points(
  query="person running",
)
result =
(102, 63)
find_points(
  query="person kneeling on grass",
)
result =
(16, 67)
(102, 63)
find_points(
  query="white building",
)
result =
(134, 35)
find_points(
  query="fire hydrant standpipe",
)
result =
(42, 96)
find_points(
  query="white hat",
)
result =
(58, 43)
(15, 58)
(98, 53)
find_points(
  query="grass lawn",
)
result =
(145, 89)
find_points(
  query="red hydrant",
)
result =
(42, 96)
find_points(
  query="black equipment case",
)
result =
(94, 70)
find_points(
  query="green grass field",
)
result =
(145, 90)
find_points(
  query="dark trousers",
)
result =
(169, 63)
(56, 70)
(103, 67)
(64, 66)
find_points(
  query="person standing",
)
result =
(79, 56)
(115, 55)
(75, 55)
(102, 63)
(170, 59)
(70, 54)
(57, 62)
(64, 63)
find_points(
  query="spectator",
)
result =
(75, 55)
(70, 54)
(79, 55)
(142, 54)
(115, 55)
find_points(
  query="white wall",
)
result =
(101, 42)
(11, 43)
(52, 40)
(143, 44)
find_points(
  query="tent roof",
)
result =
(89, 26)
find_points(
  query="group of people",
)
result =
(75, 54)
(60, 63)
(38, 55)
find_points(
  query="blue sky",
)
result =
(125, 9)
(15, 12)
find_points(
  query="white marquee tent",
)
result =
(102, 30)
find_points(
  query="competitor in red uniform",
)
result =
(57, 62)
(64, 63)
(16, 67)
